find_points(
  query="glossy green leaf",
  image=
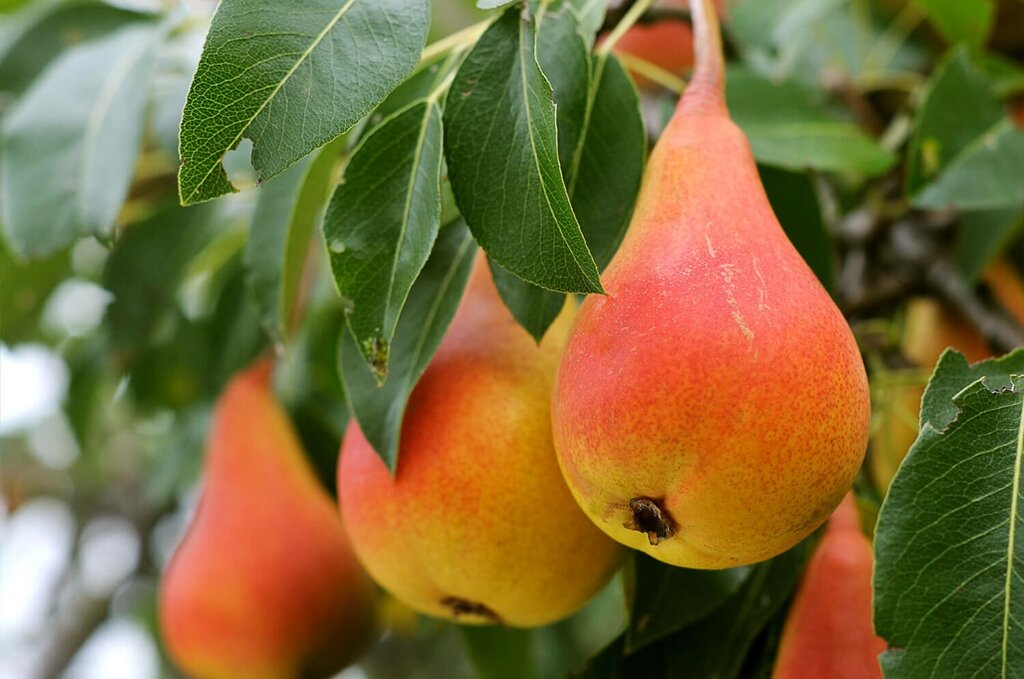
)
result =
(602, 144)
(958, 108)
(949, 547)
(715, 647)
(953, 373)
(667, 599)
(428, 311)
(967, 21)
(501, 146)
(288, 209)
(564, 59)
(291, 77)
(70, 145)
(382, 222)
(608, 164)
(787, 128)
(987, 174)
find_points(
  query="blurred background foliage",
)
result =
(885, 131)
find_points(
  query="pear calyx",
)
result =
(464, 607)
(649, 517)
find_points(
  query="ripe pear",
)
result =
(264, 584)
(477, 524)
(929, 328)
(828, 630)
(712, 409)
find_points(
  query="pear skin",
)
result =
(477, 524)
(264, 584)
(712, 409)
(828, 630)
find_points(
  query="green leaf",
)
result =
(563, 56)
(715, 647)
(501, 146)
(382, 222)
(667, 599)
(70, 145)
(958, 108)
(36, 36)
(564, 59)
(796, 204)
(949, 547)
(288, 209)
(419, 85)
(789, 129)
(967, 21)
(608, 164)
(533, 308)
(428, 311)
(590, 17)
(953, 373)
(601, 143)
(987, 174)
(290, 77)
(982, 236)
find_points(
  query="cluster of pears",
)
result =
(711, 410)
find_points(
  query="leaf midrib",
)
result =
(1010, 547)
(417, 161)
(536, 158)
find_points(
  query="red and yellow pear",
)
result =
(264, 584)
(477, 524)
(828, 630)
(712, 409)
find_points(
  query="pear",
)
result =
(264, 584)
(477, 524)
(712, 409)
(828, 630)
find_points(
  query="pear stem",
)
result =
(706, 90)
